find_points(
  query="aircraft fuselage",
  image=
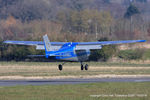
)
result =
(68, 52)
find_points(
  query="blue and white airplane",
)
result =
(69, 51)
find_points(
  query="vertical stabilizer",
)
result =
(47, 44)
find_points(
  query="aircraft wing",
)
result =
(31, 42)
(80, 45)
(111, 42)
(39, 44)
(98, 45)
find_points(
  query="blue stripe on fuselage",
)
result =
(65, 57)
(67, 50)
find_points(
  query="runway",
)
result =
(69, 81)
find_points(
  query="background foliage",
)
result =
(71, 20)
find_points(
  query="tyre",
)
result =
(82, 67)
(86, 67)
(60, 67)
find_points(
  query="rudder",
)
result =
(47, 44)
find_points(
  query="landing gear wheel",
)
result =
(82, 67)
(86, 67)
(60, 67)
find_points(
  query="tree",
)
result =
(132, 10)
(77, 5)
(103, 54)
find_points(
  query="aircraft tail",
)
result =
(47, 44)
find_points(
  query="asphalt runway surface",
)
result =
(69, 81)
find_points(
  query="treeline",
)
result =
(88, 25)
(69, 20)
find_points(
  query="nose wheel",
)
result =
(82, 67)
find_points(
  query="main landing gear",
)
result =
(86, 66)
(83, 66)
(60, 66)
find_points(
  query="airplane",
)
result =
(68, 51)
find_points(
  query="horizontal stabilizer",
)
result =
(32, 56)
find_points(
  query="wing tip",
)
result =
(7, 41)
(142, 40)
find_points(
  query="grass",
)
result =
(50, 69)
(76, 92)
(98, 64)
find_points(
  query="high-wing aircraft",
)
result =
(69, 51)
